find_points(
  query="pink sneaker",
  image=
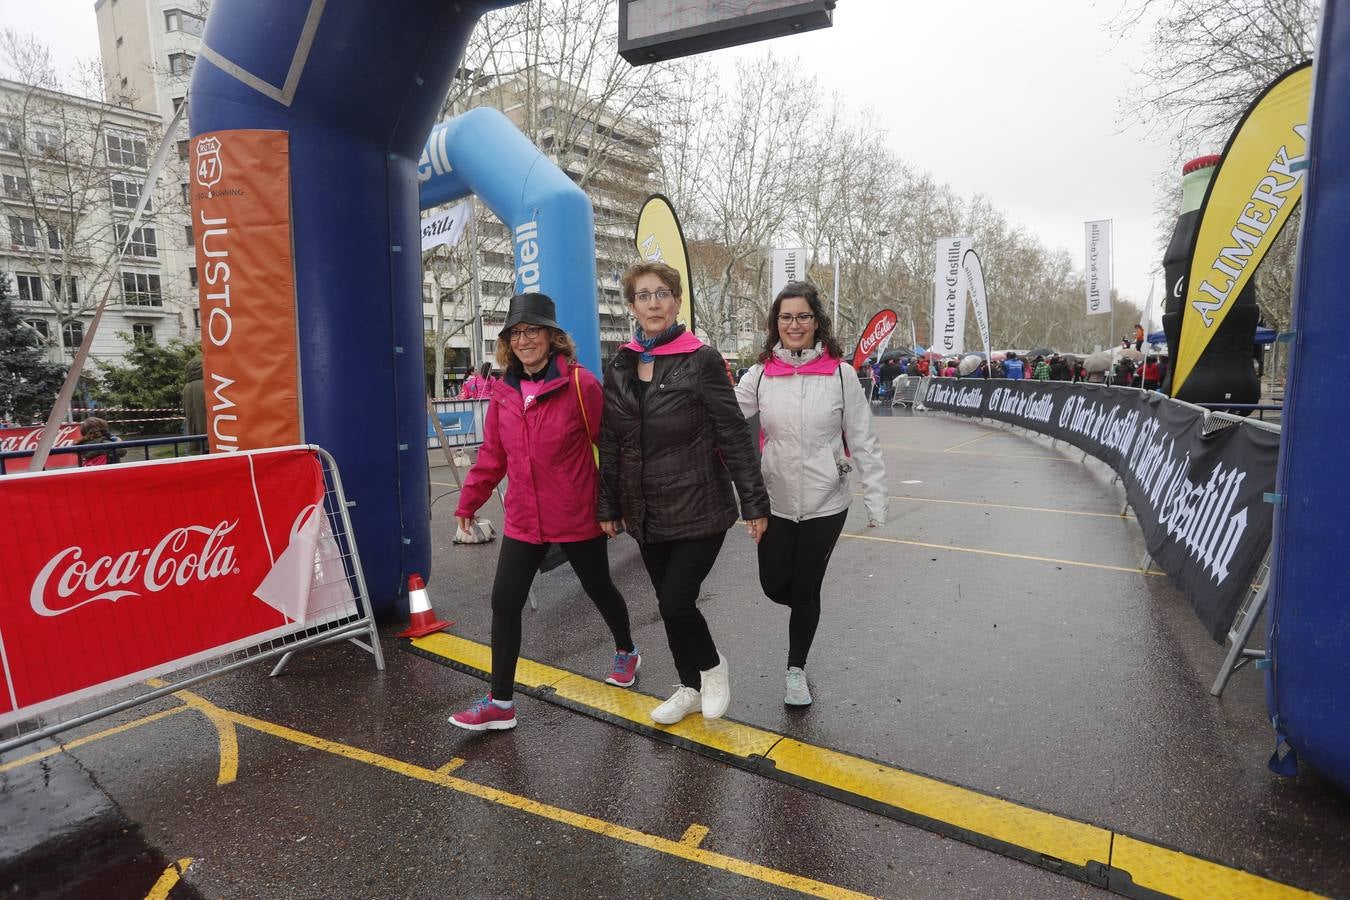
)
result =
(624, 670)
(485, 715)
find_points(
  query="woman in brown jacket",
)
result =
(672, 441)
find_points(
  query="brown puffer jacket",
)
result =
(668, 459)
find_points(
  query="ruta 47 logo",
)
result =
(209, 168)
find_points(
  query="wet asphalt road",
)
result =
(1048, 674)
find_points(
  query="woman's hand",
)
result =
(612, 528)
(466, 523)
(756, 527)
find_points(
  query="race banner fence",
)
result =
(182, 569)
(461, 422)
(1196, 480)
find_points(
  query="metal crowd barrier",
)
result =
(358, 628)
(139, 448)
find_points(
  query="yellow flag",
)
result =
(1257, 185)
(659, 239)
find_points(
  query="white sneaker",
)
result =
(716, 689)
(798, 694)
(681, 703)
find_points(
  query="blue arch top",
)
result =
(550, 218)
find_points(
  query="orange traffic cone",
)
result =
(422, 619)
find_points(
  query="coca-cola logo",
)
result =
(28, 438)
(192, 553)
(881, 329)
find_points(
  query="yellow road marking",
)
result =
(978, 814)
(1044, 509)
(451, 766)
(226, 736)
(1178, 875)
(161, 889)
(1026, 556)
(694, 835)
(89, 739)
(971, 441)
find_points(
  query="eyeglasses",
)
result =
(528, 333)
(644, 296)
(800, 318)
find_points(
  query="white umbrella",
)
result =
(969, 364)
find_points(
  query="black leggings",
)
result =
(516, 566)
(677, 570)
(792, 561)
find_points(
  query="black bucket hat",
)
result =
(532, 309)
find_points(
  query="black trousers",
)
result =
(516, 567)
(793, 557)
(677, 570)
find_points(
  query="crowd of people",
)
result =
(663, 450)
(1145, 371)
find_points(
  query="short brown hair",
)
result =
(559, 342)
(668, 274)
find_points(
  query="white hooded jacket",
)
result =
(805, 419)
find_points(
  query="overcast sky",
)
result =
(1019, 102)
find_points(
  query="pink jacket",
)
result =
(544, 450)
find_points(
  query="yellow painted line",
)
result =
(166, 882)
(981, 814)
(966, 810)
(694, 835)
(971, 441)
(1178, 875)
(1044, 509)
(226, 735)
(451, 766)
(89, 739)
(547, 811)
(479, 656)
(1025, 556)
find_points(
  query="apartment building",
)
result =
(71, 171)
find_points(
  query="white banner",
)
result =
(446, 227)
(972, 273)
(788, 265)
(949, 296)
(1097, 270)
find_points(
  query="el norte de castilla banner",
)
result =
(949, 296)
(1257, 185)
(1199, 497)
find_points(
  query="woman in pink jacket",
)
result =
(542, 422)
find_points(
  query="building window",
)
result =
(143, 331)
(23, 232)
(196, 318)
(72, 335)
(42, 328)
(187, 193)
(126, 150)
(184, 149)
(71, 292)
(180, 64)
(142, 241)
(192, 275)
(177, 104)
(17, 186)
(427, 325)
(141, 289)
(125, 193)
(187, 236)
(47, 139)
(9, 135)
(53, 237)
(30, 288)
(178, 20)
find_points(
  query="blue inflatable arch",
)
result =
(358, 86)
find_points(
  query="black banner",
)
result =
(1198, 495)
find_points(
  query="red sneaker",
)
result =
(624, 670)
(485, 715)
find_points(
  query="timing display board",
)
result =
(654, 30)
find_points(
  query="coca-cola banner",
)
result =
(1199, 496)
(125, 572)
(875, 335)
(12, 439)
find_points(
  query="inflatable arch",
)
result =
(355, 87)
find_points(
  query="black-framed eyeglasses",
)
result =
(662, 294)
(805, 318)
(528, 333)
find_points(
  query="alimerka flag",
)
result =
(659, 239)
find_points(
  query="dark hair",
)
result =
(667, 274)
(485, 369)
(824, 327)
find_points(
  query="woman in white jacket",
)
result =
(816, 425)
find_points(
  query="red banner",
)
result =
(123, 572)
(27, 439)
(875, 334)
(241, 219)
